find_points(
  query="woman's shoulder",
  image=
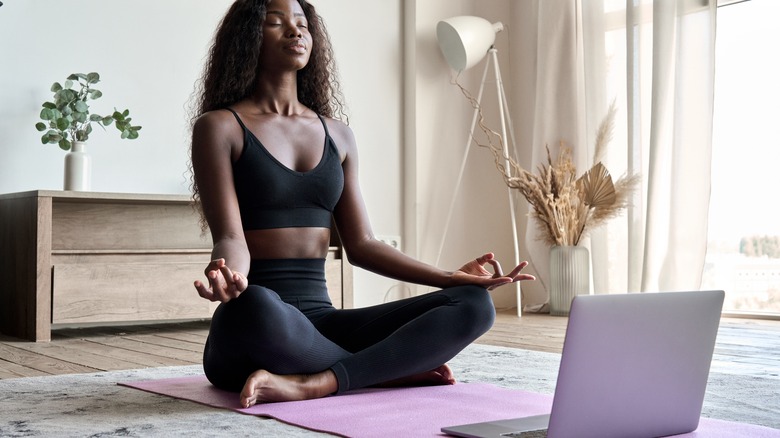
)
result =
(217, 126)
(220, 121)
(216, 118)
(340, 132)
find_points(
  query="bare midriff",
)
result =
(288, 243)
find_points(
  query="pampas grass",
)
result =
(566, 207)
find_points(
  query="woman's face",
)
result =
(287, 42)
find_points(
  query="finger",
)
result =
(484, 258)
(241, 282)
(499, 282)
(497, 272)
(203, 291)
(232, 282)
(517, 269)
(215, 264)
(217, 285)
(228, 274)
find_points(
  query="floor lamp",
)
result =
(464, 41)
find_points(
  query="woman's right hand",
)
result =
(224, 284)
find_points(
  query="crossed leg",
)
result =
(402, 343)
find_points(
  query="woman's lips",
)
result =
(297, 47)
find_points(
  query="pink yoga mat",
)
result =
(407, 412)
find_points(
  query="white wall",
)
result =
(148, 54)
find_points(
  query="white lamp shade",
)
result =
(464, 40)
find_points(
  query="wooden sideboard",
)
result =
(86, 258)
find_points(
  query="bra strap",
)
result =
(324, 125)
(238, 118)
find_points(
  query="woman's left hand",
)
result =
(474, 272)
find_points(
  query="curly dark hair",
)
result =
(231, 69)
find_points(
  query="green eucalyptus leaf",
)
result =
(95, 117)
(40, 126)
(44, 139)
(64, 145)
(88, 130)
(107, 120)
(49, 105)
(80, 117)
(81, 135)
(65, 96)
(126, 113)
(55, 87)
(93, 78)
(95, 94)
(68, 84)
(125, 133)
(81, 106)
(62, 124)
(133, 135)
(117, 115)
(74, 76)
(46, 114)
(67, 111)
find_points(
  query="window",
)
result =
(743, 254)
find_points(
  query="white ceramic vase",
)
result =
(569, 276)
(78, 168)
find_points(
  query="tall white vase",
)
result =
(78, 168)
(569, 276)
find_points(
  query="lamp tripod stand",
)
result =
(504, 117)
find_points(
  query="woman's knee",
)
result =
(477, 307)
(253, 306)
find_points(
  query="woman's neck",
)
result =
(278, 95)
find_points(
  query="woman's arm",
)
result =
(365, 251)
(216, 141)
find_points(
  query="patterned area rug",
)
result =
(94, 405)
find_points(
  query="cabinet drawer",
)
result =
(124, 292)
(120, 292)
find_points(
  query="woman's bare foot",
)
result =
(262, 386)
(441, 375)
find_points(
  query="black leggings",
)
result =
(285, 323)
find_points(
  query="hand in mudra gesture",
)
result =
(224, 284)
(474, 272)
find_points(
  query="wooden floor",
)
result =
(753, 345)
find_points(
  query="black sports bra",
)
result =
(271, 195)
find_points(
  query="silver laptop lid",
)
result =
(635, 364)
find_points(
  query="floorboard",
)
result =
(748, 345)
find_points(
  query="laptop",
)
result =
(633, 365)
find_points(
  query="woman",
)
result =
(272, 168)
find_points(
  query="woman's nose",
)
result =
(293, 31)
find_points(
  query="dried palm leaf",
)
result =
(597, 187)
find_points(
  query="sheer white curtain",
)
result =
(655, 59)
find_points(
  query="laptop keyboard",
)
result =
(540, 433)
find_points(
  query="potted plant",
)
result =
(67, 121)
(566, 206)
